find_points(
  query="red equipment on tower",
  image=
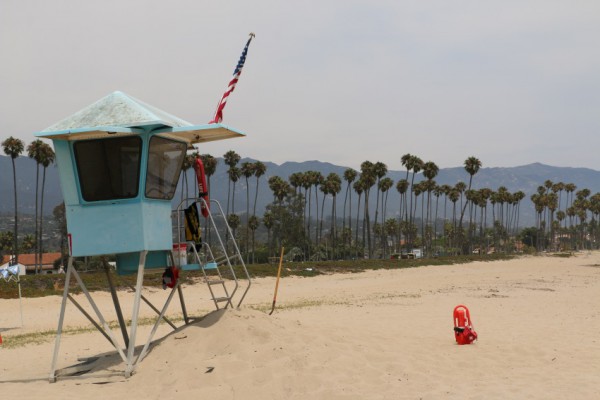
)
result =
(202, 187)
(463, 326)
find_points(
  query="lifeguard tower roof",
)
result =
(121, 114)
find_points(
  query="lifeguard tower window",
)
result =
(109, 168)
(165, 159)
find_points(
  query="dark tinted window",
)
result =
(109, 168)
(165, 158)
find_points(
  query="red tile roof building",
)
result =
(28, 260)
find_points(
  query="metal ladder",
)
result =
(225, 254)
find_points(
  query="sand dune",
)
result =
(374, 335)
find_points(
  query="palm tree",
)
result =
(231, 159)
(253, 223)
(34, 151)
(47, 159)
(570, 189)
(406, 161)
(247, 170)
(295, 180)
(358, 188)
(384, 186)
(402, 188)
(332, 185)
(416, 165)
(307, 184)
(453, 196)
(368, 179)
(379, 170)
(188, 161)
(13, 147)
(234, 222)
(28, 243)
(268, 222)
(325, 189)
(335, 183)
(349, 176)
(430, 171)
(472, 166)
(279, 187)
(316, 180)
(259, 170)
(210, 167)
(234, 174)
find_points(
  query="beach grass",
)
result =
(52, 285)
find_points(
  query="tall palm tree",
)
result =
(295, 180)
(453, 196)
(416, 165)
(259, 170)
(13, 147)
(384, 186)
(34, 151)
(277, 186)
(406, 161)
(234, 174)
(307, 184)
(316, 180)
(247, 170)
(472, 166)
(47, 159)
(231, 159)
(268, 222)
(325, 188)
(379, 170)
(368, 178)
(349, 176)
(402, 188)
(335, 187)
(188, 161)
(430, 171)
(331, 185)
(437, 192)
(253, 223)
(358, 188)
(210, 166)
(570, 189)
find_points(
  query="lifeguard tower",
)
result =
(119, 162)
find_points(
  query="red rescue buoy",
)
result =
(170, 277)
(463, 326)
(202, 186)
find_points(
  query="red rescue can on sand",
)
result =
(463, 326)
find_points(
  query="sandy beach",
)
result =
(385, 334)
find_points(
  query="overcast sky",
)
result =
(510, 82)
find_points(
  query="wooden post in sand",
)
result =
(277, 281)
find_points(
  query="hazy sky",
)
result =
(510, 82)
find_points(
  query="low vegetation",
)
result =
(53, 285)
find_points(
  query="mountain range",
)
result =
(525, 178)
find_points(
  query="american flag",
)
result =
(236, 76)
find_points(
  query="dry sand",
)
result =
(383, 334)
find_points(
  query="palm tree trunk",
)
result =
(42, 217)
(357, 215)
(38, 254)
(15, 229)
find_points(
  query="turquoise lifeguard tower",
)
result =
(119, 163)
